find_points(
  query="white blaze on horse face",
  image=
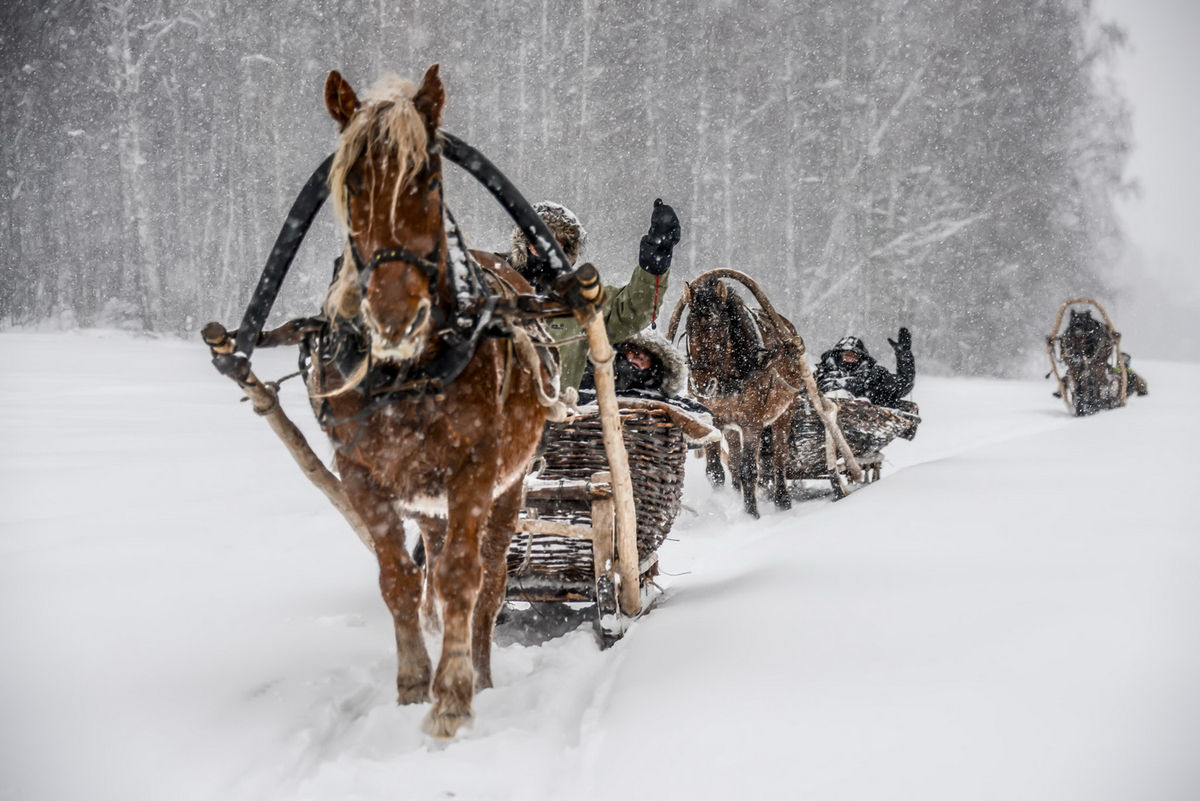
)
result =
(411, 341)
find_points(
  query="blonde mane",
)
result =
(386, 126)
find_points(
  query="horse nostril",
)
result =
(419, 319)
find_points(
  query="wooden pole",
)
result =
(585, 295)
(603, 525)
(629, 594)
(1050, 340)
(265, 401)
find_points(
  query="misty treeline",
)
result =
(949, 166)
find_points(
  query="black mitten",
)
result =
(654, 255)
(903, 340)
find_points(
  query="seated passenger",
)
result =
(848, 367)
(647, 367)
(645, 364)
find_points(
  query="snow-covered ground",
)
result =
(1012, 613)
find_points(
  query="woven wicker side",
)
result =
(656, 464)
(575, 451)
(868, 428)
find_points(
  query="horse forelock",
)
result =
(386, 126)
(344, 298)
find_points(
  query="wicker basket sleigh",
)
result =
(564, 546)
(868, 428)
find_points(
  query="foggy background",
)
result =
(1158, 282)
(951, 166)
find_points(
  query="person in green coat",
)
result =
(627, 309)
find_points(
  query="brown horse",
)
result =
(745, 368)
(449, 452)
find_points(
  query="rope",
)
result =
(654, 313)
(273, 386)
(351, 382)
(506, 381)
(527, 353)
(786, 384)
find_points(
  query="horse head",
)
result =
(1085, 339)
(708, 327)
(724, 344)
(387, 191)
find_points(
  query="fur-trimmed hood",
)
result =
(675, 371)
(849, 343)
(865, 359)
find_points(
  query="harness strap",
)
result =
(429, 268)
(298, 221)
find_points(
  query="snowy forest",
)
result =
(950, 166)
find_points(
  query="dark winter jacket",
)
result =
(866, 378)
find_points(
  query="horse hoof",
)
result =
(444, 726)
(416, 693)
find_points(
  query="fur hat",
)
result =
(562, 222)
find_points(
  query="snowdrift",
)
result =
(1012, 612)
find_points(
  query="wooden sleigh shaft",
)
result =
(619, 507)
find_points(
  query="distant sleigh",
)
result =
(1086, 360)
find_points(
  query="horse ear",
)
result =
(340, 99)
(722, 291)
(431, 97)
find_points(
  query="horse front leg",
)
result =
(747, 469)
(494, 549)
(457, 577)
(400, 580)
(733, 438)
(713, 467)
(433, 535)
(781, 445)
